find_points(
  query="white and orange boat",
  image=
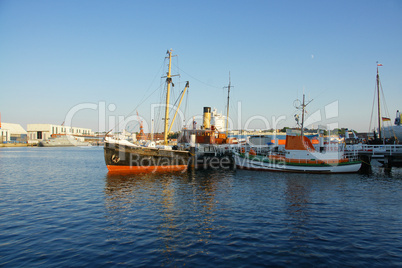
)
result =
(298, 155)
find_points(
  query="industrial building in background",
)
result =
(12, 133)
(40, 132)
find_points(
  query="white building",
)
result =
(38, 132)
(10, 132)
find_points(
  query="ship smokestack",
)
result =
(207, 117)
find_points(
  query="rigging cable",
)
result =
(142, 101)
(386, 112)
(181, 70)
(129, 114)
(372, 109)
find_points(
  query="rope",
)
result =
(159, 116)
(198, 79)
(365, 162)
(142, 101)
(372, 109)
(386, 110)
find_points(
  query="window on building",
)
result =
(39, 135)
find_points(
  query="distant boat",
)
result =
(299, 155)
(123, 156)
(63, 141)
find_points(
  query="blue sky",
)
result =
(55, 55)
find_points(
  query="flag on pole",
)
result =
(379, 64)
(385, 119)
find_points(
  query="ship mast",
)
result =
(379, 103)
(169, 81)
(302, 124)
(227, 112)
(303, 108)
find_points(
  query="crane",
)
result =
(141, 135)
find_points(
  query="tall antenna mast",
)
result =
(379, 103)
(227, 112)
(301, 106)
(302, 124)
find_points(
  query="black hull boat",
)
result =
(124, 158)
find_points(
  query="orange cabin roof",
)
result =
(296, 143)
(283, 142)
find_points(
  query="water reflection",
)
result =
(297, 195)
(177, 211)
(379, 169)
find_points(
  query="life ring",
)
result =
(115, 159)
(252, 152)
(242, 150)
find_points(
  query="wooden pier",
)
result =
(388, 155)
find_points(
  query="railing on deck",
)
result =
(368, 149)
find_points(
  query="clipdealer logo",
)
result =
(325, 117)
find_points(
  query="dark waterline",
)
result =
(59, 207)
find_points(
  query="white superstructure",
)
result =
(394, 131)
(218, 120)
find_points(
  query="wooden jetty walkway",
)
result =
(388, 154)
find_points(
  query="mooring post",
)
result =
(366, 164)
(387, 165)
(192, 151)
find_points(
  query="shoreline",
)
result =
(15, 145)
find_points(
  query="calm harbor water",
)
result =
(59, 207)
